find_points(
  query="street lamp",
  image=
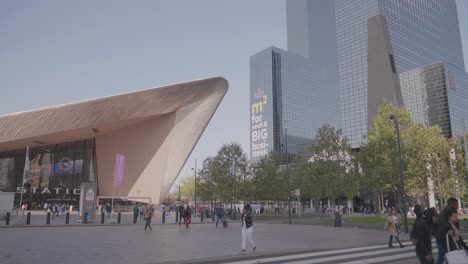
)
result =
(402, 177)
(231, 171)
(287, 173)
(195, 188)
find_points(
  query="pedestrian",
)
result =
(453, 234)
(421, 235)
(181, 214)
(393, 227)
(136, 211)
(247, 228)
(188, 216)
(219, 214)
(444, 227)
(46, 206)
(149, 212)
(63, 209)
(108, 210)
(141, 210)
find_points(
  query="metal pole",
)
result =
(195, 191)
(287, 174)
(26, 160)
(465, 144)
(231, 170)
(402, 177)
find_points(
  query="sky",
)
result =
(54, 52)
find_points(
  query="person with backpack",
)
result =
(421, 234)
(247, 229)
(188, 216)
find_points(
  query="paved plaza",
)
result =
(131, 244)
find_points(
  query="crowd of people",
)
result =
(444, 227)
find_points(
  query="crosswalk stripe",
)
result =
(386, 258)
(314, 254)
(342, 257)
(324, 256)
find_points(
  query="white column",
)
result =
(430, 192)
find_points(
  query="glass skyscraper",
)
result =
(422, 33)
(290, 92)
(332, 37)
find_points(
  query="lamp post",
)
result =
(195, 188)
(402, 177)
(231, 171)
(287, 173)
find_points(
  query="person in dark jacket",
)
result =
(181, 214)
(422, 233)
(454, 231)
(444, 227)
(247, 228)
(188, 216)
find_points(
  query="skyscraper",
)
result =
(290, 92)
(405, 51)
(421, 33)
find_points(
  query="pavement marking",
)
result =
(314, 254)
(386, 258)
(398, 254)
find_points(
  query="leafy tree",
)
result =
(331, 170)
(270, 181)
(229, 169)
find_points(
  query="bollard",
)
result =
(119, 216)
(85, 218)
(7, 218)
(164, 217)
(102, 217)
(67, 218)
(177, 216)
(28, 218)
(48, 218)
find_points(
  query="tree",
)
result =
(187, 188)
(331, 170)
(379, 158)
(228, 170)
(270, 181)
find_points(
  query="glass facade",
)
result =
(422, 33)
(55, 172)
(289, 92)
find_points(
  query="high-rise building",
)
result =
(421, 33)
(289, 92)
(405, 51)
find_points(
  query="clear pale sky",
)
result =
(55, 52)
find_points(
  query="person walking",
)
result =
(393, 227)
(188, 216)
(422, 233)
(141, 210)
(108, 210)
(219, 214)
(247, 229)
(454, 232)
(136, 211)
(181, 214)
(444, 227)
(149, 212)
